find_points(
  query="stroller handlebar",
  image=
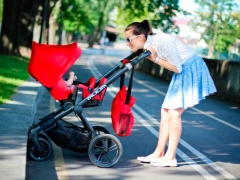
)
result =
(134, 54)
(142, 56)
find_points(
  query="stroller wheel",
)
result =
(36, 155)
(100, 130)
(105, 150)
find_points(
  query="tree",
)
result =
(19, 18)
(17, 22)
(215, 16)
(91, 16)
(159, 12)
(87, 16)
(1, 10)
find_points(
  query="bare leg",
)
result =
(162, 136)
(175, 131)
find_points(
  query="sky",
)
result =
(190, 5)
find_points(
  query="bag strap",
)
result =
(129, 87)
(129, 90)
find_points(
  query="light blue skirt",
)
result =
(193, 84)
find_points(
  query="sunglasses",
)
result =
(130, 39)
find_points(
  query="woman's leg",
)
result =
(163, 134)
(162, 137)
(175, 131)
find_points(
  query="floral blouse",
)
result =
(169, 48)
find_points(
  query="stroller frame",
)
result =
(96, 140)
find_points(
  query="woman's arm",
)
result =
(167, 65)
(161, 62)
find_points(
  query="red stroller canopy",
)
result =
(48, 63)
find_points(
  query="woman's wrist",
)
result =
(156, 60)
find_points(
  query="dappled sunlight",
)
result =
(141, 90)
(112, 89)
(235, 107)
(31, 84)
(151, 96)
(12, 148)
(8, 80)
(235, 145)
(196, 124)
(105, 113)
(205, 112)
(100, 119)
(99, 113)
(16, 103)
(216, 152)
(27, 92)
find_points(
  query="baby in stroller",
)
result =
(47, 65)
(71, 78)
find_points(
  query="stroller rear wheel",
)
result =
(105, 150)
(35, 154)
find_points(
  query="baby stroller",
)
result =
(47, 65)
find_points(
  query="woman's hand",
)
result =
(153, 54)
(161, 62)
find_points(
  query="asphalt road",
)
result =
(208, 149)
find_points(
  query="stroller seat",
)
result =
(88, 88)
(48, 64)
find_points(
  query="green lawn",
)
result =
(13, 72)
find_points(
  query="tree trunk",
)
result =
(10, 27)
(213, 42)
(97, 31)
(18, 22)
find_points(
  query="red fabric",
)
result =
(48, 63)
(125, 61)
(101, 95)
(60, 91)
(121, 113)
(88, 87)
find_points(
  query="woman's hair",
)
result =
(138, 28)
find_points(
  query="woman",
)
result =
(190, 83)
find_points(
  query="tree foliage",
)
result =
(91, 16)
(87, 16)
(219, 24)
(1, 10)
(159, 12)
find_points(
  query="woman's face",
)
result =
(135, 42)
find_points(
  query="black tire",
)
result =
(39, 156)
(104, 154)
(100, 130)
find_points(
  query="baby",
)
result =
(71, 78)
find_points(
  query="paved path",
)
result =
(15, 118)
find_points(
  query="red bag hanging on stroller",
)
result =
(121, 112)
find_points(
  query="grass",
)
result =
(13, 73)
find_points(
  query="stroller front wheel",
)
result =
(105, 150)
(35, 154)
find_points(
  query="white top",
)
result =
(169, 48)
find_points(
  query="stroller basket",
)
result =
(48, 64)
(69, 136)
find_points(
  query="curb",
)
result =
(16, 116)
